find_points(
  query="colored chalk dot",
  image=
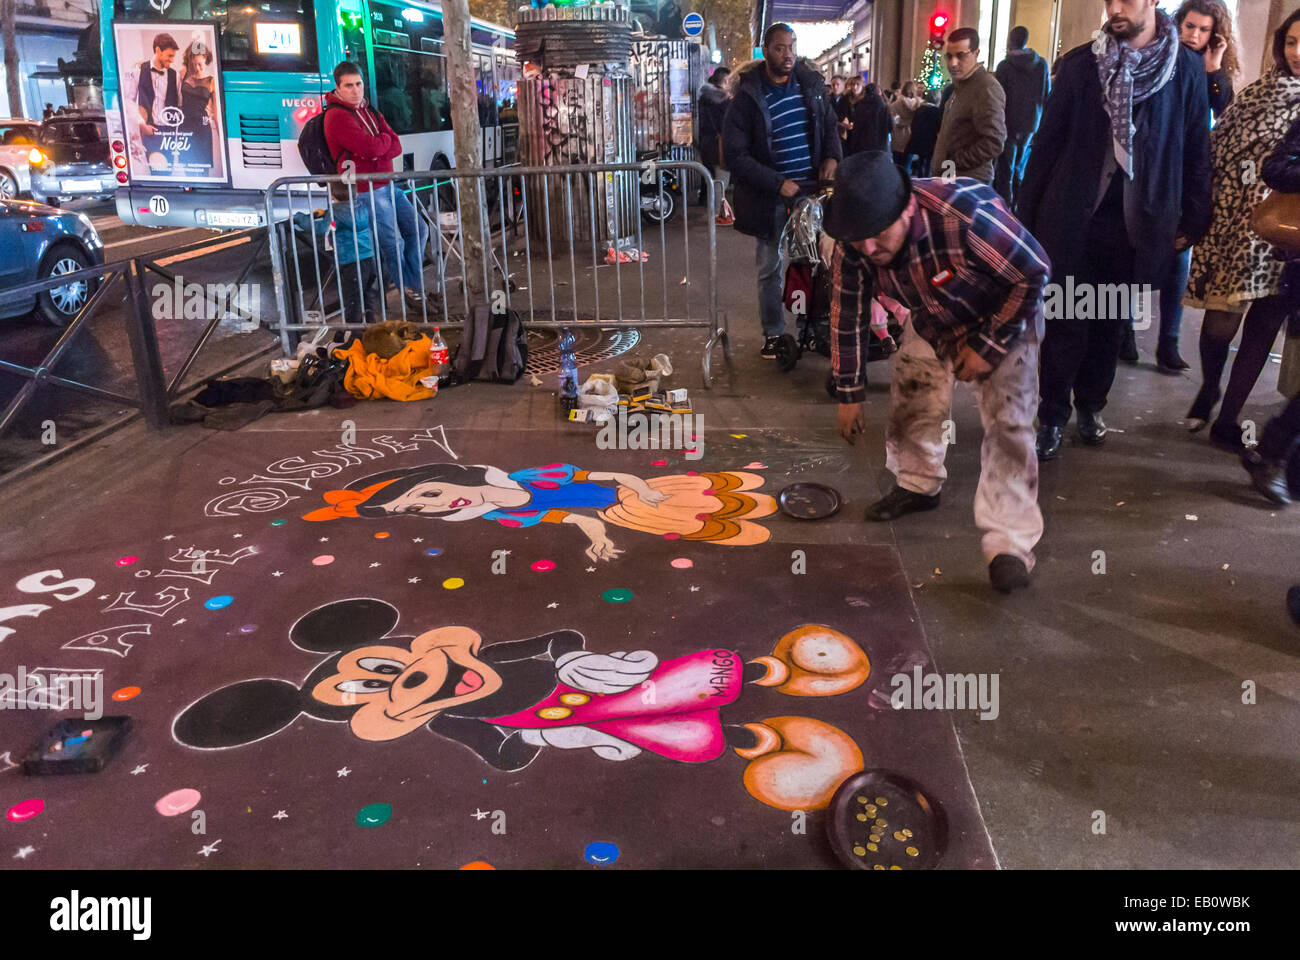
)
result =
(683, 563)
(24, 810)
(279, 523)
(248, 628)
(216, 603)
(433, 552)
(126, 693)
(554, 713)
(478, 865)
(672, 536)
(178, 802)
(381, 535)
(374, 815)
(453, 583)
(126, 561)
(542, 566)
(323, 560)
(617, 595)
(574, 699)
(601, 852)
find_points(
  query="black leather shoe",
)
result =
(1049, 442)
(1007, 573)
(899, 503)
(1092, 429)
(1198, 417)
(1128, 348)
(1169, 361)
(1227, 436)
(1267, 476)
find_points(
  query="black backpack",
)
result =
(493, 347)
(313, 147)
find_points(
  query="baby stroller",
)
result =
(806, 251)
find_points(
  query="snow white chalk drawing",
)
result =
(506, 701)
(713, 507)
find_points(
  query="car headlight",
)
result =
(35, 157)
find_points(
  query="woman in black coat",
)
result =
(870, 119)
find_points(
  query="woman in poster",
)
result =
(198, 105)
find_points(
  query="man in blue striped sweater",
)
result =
(780, 133)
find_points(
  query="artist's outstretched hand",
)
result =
(605, 673)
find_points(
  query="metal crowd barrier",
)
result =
(538, 225)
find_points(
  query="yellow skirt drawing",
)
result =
(715, 507)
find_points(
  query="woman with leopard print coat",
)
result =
(1233, 271)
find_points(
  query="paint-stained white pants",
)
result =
(917, 437)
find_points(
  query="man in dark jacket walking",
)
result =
(1117, 183)
(973, 129)
(1024, 78)
(780, 131)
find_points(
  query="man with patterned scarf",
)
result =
(1117, 184)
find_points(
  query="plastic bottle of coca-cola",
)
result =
(438, 355)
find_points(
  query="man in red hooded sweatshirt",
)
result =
(358, 134)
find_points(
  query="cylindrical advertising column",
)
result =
(575, 107)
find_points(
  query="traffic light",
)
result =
(938, 27)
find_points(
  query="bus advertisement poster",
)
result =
(171, 101)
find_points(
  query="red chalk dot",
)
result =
(178, 802)
(323, 560)
(24, 810)
(381, 535)
(671, 536)
(478, 865)
(126, 561)
(692, 473)
(552, 466)
(683, 563)
(542, 566)
(126, 693)
(659, 463)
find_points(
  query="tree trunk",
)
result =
(463, 89)
(9, 13)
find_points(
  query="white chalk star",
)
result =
(104, 597)
(277, 573)
(210, 849)
(412, 579)
(179, 622)
(479, 814)
(344, 772)
(695, 589)
(417, 539)
(591, 569)
(376, 564)
(238, 535)
(6, 762)
(324, 539)
(23, 851)
(140, 769)
(280, 815)
(551, 606)
(170, 536)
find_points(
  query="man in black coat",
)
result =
(1117, 183)
(780, 132)
(1024, 79)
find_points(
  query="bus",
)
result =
(274, 63)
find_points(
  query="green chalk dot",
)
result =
(617, 595)
(278, 523)
(374, 815)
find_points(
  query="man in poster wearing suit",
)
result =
(158, 87)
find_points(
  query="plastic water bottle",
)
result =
(568, 372)
(438, 355)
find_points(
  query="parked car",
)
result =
(42, 242)
(17, 137)
(71, 159)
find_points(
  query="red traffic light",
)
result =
(939, 21)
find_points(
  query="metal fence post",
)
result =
(145, 355)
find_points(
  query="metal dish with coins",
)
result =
(881, 820)
(809, 501)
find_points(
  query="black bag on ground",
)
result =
(313, 147)
(493, 347)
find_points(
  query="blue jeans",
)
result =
(1171, 299)
(402, 235)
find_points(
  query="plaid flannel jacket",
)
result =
(969, 271)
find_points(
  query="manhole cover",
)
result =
(592, 347)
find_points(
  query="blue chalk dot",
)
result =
(435, 552)
(601, 853)
(216, 603)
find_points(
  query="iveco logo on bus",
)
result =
(299, 102)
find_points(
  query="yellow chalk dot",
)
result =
(880, 866)
(862, 816)
(872, 847)
(860, 851)
(554, 713)
(453, 583)
(574, 699)
(913, 852)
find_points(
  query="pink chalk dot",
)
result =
(659, 463)
(671, 536)
(552, 466)
(323, 560)
(546, 485)
(542, 566)
(177, 802)
(24, 810)
(505, 522)
(126, 561)
(683, 563)
(692, 473)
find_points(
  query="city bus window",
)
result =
(276, 36)
(410, 70)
